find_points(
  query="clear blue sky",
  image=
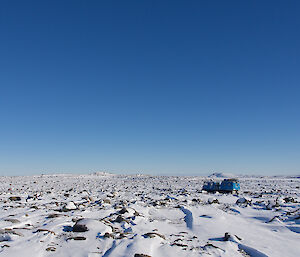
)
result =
(161, 87)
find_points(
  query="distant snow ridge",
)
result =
(102, 173)
(221, 175)
(294, 176)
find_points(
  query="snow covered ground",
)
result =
(139, 215)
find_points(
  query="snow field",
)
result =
(117, 215)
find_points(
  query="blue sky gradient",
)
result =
(160, 87)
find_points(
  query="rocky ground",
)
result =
(118, 215)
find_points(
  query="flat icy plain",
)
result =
(138, 216)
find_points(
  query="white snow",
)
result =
(138, 214)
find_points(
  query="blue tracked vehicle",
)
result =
(226, 186)
(229, 186)
(211, 186)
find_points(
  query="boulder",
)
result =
(87, 224)
(80, 226)
(244, 202)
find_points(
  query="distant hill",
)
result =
(102, 173)
(221, 175)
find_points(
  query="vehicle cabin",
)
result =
(211, 186)
(229, 185)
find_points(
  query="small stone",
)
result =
(179, 244)
(119, 219)
(123, 210)
(243, 202)
(211, 201)
(51, 249)
(154, 234)
(78, 238)
(289, 200)
(54, 215)
(196, 200)
(15, 198)
(226, 236)
(210, 245)
(271, 204)
(108, 235)
(45, 230)
(136, 213)
(14, 221)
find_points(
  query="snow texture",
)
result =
(110, 215)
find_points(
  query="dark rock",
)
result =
(78, 238)
(54, 215)
(136, 213)
(243, 202)
(141, 255)
(196, 200)
(45, 230)
(51, 249)
(7, 231)
(15, 198)
(154, 234)
(119, 219)
(208, 245)
(239, 238)
(226, 236)
(79, 227)
(289, 200)
(123, 210)
(108, 235)
(179, 244)
(211, 201)
(14, 221)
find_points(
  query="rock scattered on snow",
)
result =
(243, 202)
(51, 249)
(213, 200)
(141, 255)
(69, 206)
(123, 210)
(180, 217)
(15, 198)
(153, 234)
(76, 238)
(80, 227)
(14, 221)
